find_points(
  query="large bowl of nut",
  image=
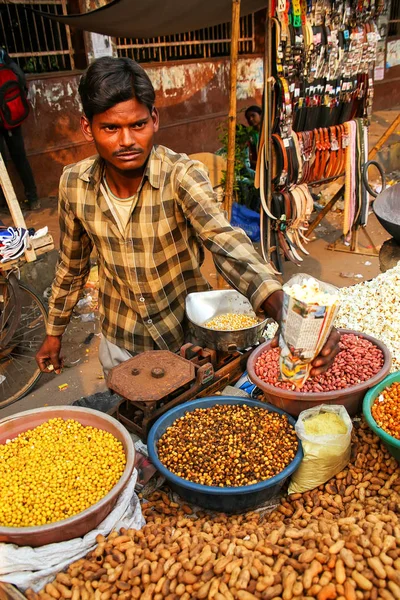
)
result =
(223, 320)
(381, 408)
(62, 469)
(225, 453)
(363, 361)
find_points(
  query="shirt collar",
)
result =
(94, 173)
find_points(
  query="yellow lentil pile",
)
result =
(386, 410)
(56, 470)
(228, 445)
(325, 424)
(231, 322)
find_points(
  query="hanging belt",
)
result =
(281, 177)
(296, 145)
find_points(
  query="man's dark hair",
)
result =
(109, 81)
(253, 108)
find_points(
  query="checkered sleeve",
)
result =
(72, 270)
(233, 253)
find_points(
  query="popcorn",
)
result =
(310, 292)
(373, 307)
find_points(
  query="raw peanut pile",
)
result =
(357, 361)
(386, 410)
(228, 445)
(231, 322)
(340, 541)
(56, 470)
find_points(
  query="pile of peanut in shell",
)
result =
(340, 541)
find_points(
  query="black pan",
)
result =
(387, 210)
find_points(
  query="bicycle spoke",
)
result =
(19, 366)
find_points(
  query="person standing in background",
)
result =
(10, 133)
(253, 116)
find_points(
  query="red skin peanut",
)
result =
(358, 360)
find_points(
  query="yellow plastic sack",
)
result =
(324, 455)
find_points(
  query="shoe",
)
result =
(34, 205)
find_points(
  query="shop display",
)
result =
(324, 54)
(373, 308)
(325, 434)
(386, 410)
(231, 322)
(358, 360)
(339, 541)
(202, 446)
(320, 105)
(308, 310)
(55, 471)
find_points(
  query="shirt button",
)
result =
(141, 299)
(149, 321)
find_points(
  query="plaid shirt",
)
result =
(146, 274)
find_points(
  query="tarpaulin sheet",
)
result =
(152, 18)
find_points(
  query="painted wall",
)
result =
(192, 99)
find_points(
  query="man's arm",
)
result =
(234, 255)
(71, 275)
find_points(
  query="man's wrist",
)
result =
(272, 306)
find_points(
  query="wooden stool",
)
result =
(389, 255)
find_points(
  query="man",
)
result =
(14, 141)
(147, 211)
(253, 116)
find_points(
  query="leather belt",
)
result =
(281, 176)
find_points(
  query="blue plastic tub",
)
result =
(229, 499)
(391, 443)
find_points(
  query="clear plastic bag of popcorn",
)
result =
(309, 310)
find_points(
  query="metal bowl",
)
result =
(203, 306)
(83, 522)
(387, 209)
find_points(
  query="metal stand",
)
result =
(354, 248)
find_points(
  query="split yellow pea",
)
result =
(55, 471)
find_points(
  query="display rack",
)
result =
(267, 245)
(354, 247)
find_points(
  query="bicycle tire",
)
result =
(36, 373)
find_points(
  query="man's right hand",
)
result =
(49, 354)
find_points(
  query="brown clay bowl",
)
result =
(83, 522)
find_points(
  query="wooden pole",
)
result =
(384, 138)
(14, 207)
(371, 154)
(230, 162)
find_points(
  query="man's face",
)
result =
(253, 119)
(123, 135)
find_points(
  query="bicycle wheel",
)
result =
(18, 368)
(9, 309)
